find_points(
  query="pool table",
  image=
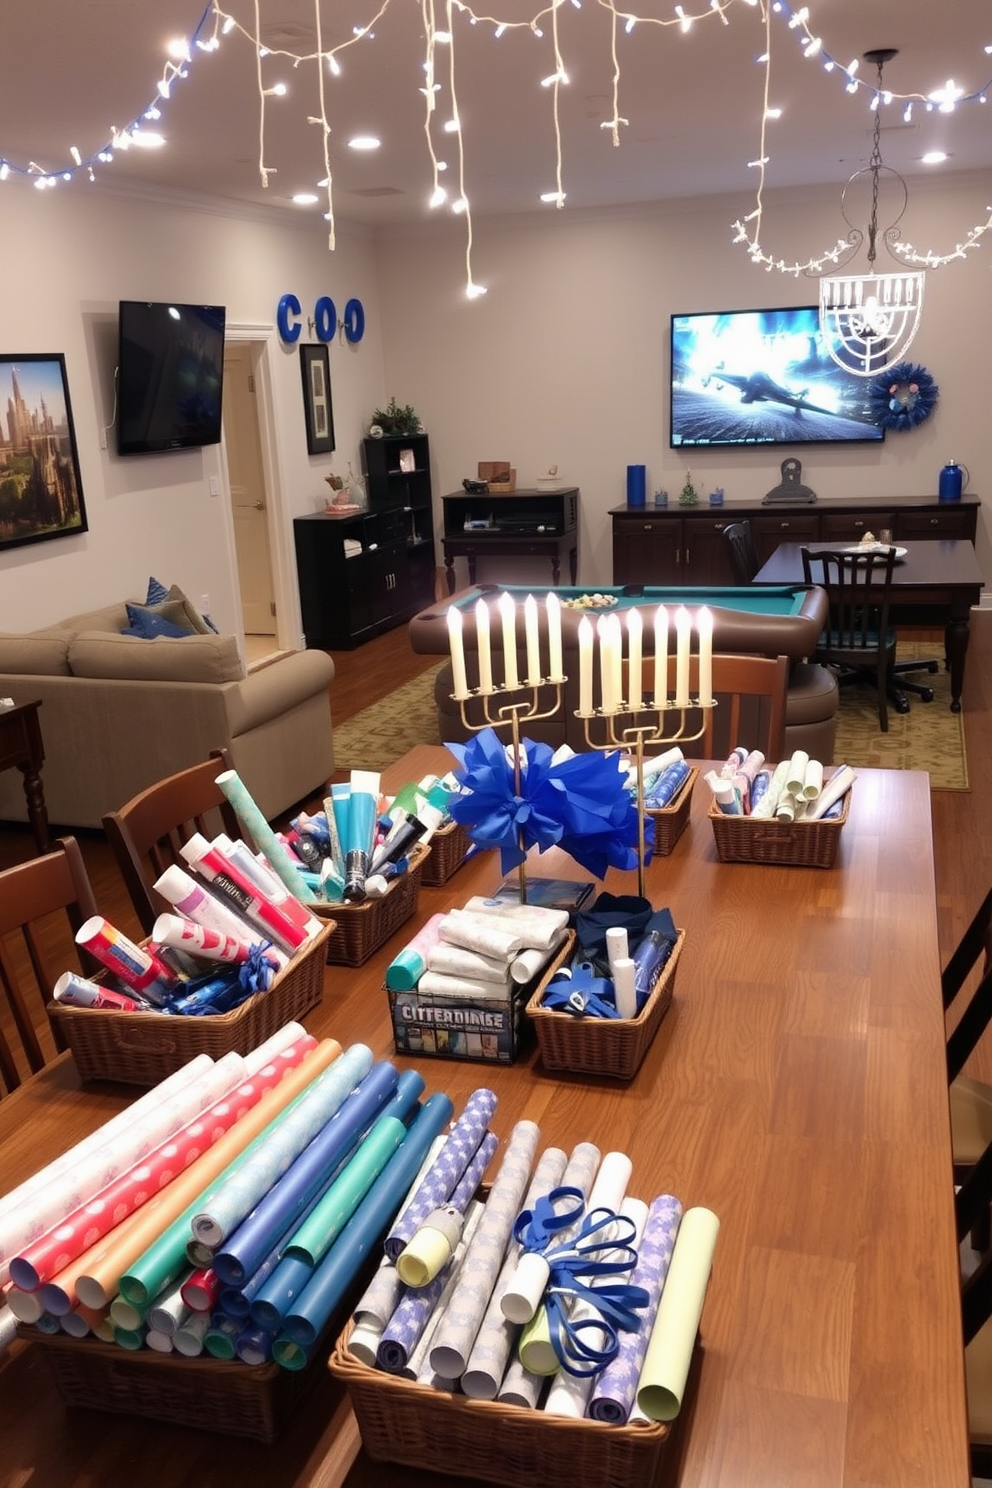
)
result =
(773, 620)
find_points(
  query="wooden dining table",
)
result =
(939, 575)
(796, 1087)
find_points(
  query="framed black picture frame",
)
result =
(315, 366)
(41, 490)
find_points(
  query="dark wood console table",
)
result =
(685, 545)
(514, 524)
(21, 747)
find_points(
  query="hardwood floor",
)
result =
(962, 841)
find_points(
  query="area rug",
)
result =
(929, 737)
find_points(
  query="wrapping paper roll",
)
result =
(569, 1395)
(83, 1227)
(457, 1332)
(519, 1386)
(405, 970)
(525, 966)
(285, 1037)
(539, 927)
(765, 808)
(168, 1311)
(279, 1292)
(161, 1343)
(235, 1198)
(312, 1241)
(437, 984)
(430, 1249)
(192, 899)
(75, 1324)
(615, 1390)
(669, 1351)
(796, 777)
(375, 1306)
(188, 1339)
(536, 1350)
(276, 853)
(155, 1252)
(440, 1182)
(285, 1201)
(89, 1166)
(813, 783)
(24, 1307)
(360, 1236)
(482, 933)
(406, 1326)
(496, 1336)
(839, 783)
(456, 961)
(363, 1341)
(123, 1315)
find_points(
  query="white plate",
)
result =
(875, 548)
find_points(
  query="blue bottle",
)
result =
(951, 482)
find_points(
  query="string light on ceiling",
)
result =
(442, 30)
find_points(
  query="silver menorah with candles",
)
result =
(515, 700)
(659, 718)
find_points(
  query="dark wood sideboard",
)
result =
(685, 545)
(512, 524)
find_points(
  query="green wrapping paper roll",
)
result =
(233, 787)
(666, 1363)
(313, 1239)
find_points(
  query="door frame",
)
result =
(261, 341)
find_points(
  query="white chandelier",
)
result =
(869, 320)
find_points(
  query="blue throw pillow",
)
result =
(156, 592)
(147, 624)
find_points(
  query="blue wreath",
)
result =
(902, 397)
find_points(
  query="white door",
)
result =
(243, 448)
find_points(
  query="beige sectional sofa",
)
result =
(119, 713)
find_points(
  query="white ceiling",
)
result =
(72, 69)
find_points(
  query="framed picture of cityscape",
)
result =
(41, 493)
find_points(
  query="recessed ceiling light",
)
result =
(305, 198)
(363, 142)
(933, 157)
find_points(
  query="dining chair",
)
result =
(744, 560)
(859, 640)
(970, 1099)
(147, 833)
(43, 902)
(750, 693)
(971, 1203)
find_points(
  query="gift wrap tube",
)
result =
(615, 1388)
(538, 926)
(482, 933)
(188, 1338)
(277, 855)
(415, 1308)
(405, 970)
(439, 1183)
(519, 1386)
(236, 1196)
(313, 1239)
(431, 1247)
(495, 1338)
(375, 1306)
(480, 1268)
(669, 1351)
(168, 1309)
(525, 966)
(246, 1248)
(456, 961)
(161, 1255)
(363, 1232)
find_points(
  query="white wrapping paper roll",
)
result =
(525, 967)
(452, 960)
(796, 778)
(839, 783)
(436, 984)
(765, 808)
(666, 1363)
(535, 923)
(482, 933)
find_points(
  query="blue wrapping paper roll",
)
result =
(667, 785)
(637, 476)
(279, 1291)
(443, 1176)
(245, 1250)
(253, 1346)
(302, 1326)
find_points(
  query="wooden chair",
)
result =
(147, 833)
(750, 692)
(43, 902)
(971, 1205)
(859, 639)
(744, 559)
(971, 1100)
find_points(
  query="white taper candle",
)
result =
(556, 666)
(456, 645)
(508, 615)
(533, 641)
(484, 642)
(585, 667)
(660, 656)
(682, 632)
(705, 627)
(635, 628)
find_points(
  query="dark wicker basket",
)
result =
(143, 1048)
(420, 1427)
(448, 849)
(603, 1046)
(360, 929)
(671, 821)
(801, 844)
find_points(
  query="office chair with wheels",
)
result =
(147, 833)
(744, 560)
(43, 902)
(858, 640)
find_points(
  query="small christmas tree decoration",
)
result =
(687, 495)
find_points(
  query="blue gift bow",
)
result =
(584, 995)
(616, 1303)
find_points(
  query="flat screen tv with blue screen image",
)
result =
(170, 376)
(762, 377)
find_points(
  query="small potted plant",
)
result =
(394, 420)
(347, 492)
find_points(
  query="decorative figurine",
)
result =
(687, 495)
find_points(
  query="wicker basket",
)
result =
(448, 848)
(420, 1427)
(801, 844)
(360, 929)
(671, 821)
(203, 1393)
(142, 1048)
(603, 1046)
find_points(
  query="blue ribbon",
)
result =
(579, 991)
(575, 1268)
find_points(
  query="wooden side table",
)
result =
(21, 746)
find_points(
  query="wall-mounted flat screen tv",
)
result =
(762, 377)
(170, 376)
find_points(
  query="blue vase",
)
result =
(951, 482)
(636, 484)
